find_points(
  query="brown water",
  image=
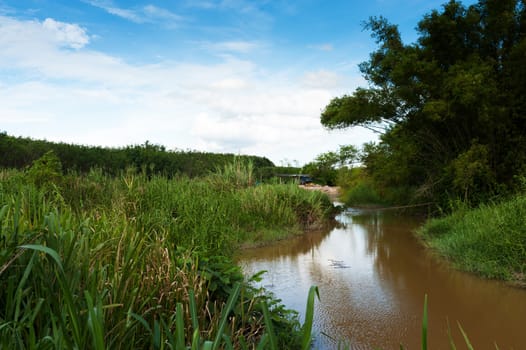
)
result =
(373, 274)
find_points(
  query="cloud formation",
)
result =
(145, 14)
(69, 35)
(61, 90)
(239, 46)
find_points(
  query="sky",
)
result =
(229, 76)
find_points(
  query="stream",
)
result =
(373, 274)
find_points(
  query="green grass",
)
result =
(96, 262)
(489, 240)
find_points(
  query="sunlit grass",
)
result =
(490, 240)
(135, 262)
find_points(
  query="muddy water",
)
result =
(372, 275)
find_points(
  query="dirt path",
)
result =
(332, 191)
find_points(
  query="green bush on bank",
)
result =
(489, 240)
(360, 189)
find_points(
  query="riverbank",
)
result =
(489, 241)
(134, 261)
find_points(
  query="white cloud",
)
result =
(28, 38)
(157, 12)
(229, 83)
(89, 97)
(146, 14)
(322, 47)
(322, 79)
(108, 6)
(232, 47)
(69, 35)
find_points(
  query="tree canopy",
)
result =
(20, 152)
(451, 107)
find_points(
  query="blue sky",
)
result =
(235, 76)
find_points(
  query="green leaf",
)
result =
(263, 342)
(424, 325)
(95, 322)
(179, 326)
(309, 317)
(193, 309)
(51, 252)
(224, 317)
(156, 335)
(269, 327)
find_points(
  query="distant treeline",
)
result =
(20, 152)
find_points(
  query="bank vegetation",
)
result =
(138, 260)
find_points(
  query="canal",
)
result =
(373, 274)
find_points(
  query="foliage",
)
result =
(18, 152)
(271, 172)
(472, 171)
(46, 170)
(324, 168)
(141, 261)
(451, 107)
(358, 189)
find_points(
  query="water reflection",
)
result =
(373, 275)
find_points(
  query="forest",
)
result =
(450, 108)
(21, 152)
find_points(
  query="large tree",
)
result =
(452, 106)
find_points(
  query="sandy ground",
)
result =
(332, 191)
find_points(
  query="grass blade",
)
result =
(179, 326)
(156, 335)
(95, 322)
(141, 321)
(450, 336)
(169, 335)
(224, 317)
(424, 325)
(195, 340)
(466, 339)
(263, 342)
(193, 310)
(309, 317)
(51, 252)
(228, 342)
(269, 327)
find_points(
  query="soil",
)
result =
(332, 191)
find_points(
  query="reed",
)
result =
(133, 261)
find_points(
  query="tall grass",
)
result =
(97, 262)
(489, 240)
(136, 262)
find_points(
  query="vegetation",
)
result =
(490, 240)
(138, 261)
(451, 113)
(19, 153)
(357, 189)
(327, 167)
(451, 108)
